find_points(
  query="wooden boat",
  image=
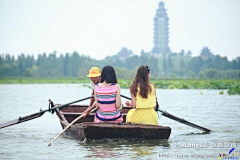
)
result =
(86, 129)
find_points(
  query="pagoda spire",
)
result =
(161, 31)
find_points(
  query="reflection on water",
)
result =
(29, 140)
(115, 148)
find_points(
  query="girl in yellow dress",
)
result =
(143, 99)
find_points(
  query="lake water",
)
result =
(29, 140)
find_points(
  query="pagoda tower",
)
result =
(161, 31)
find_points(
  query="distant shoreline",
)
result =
(233, 86)
(40, 80)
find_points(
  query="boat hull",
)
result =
(90, 130)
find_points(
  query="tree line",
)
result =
(172, 66)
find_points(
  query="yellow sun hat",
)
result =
(94, 72)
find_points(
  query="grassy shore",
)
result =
(233, 86)
(41, 80)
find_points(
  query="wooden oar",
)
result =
(75, 120)
(38, 114)
(181, 120)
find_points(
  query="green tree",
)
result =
(27, 73)
(169, 64)
(66, 68)
(165, 69)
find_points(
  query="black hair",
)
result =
(148, 69)
(108, 74)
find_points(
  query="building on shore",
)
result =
(124, 53)
(205, 53)
(161, 36)
(161, 31)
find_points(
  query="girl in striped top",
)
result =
(107, 98)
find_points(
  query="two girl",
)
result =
(107, 98)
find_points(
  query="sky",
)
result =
(100, 28)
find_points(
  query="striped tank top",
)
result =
(106, 97)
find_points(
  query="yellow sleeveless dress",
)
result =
(144, 112)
